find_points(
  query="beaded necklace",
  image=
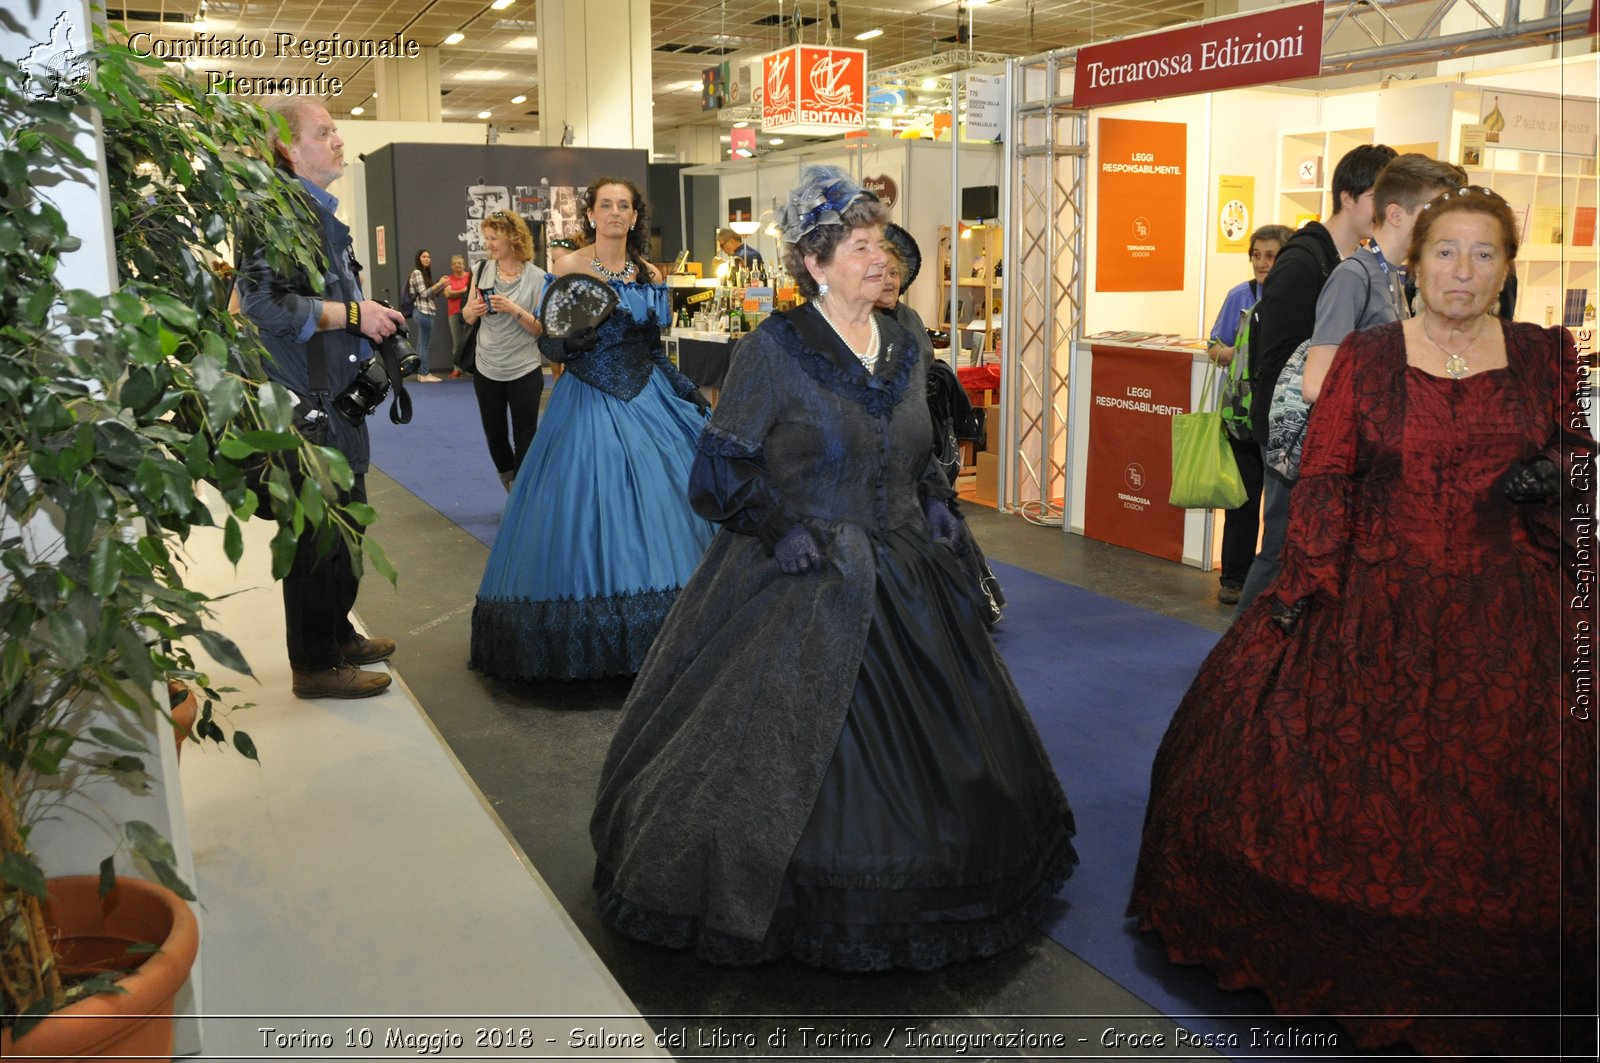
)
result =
(869, 357)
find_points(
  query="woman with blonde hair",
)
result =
(507, 377)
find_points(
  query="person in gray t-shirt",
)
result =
(507, 377)
(1367, 289)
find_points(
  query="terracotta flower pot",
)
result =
(95, 935)
(185, 709)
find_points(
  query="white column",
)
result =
(594, 73)
(700, 144)
(408, 89)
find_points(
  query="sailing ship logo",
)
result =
(826, 80)
(779, 95)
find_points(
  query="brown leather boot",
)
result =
(343, 681)
(363, 650)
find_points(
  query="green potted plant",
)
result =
(113, 409)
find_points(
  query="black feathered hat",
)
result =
(910, 255)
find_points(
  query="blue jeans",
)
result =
(422, 337)
(1274, 525)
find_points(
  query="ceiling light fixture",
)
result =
(455, 38)
(930, 83)
(485, 114)
(358, 110)
(519, 99)
(525, 43)
(741, 125)
(867, 36)
(501, 5)
(775, 141)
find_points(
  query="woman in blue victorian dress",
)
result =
(597, 536)
(824, 756)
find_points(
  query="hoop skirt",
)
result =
(834, 765)
(597, 536)
(1387, 813)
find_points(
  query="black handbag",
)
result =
(465, 356)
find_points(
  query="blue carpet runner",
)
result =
(1100, 677)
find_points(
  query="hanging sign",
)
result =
(1281, 44)
(985, 109)
(814, 90)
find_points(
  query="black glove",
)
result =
(941, 522)
(1531, 480)
(580, 341)
(797, 552)
(1287, 615)
(701, 403)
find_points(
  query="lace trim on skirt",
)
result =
(921, 945)
(573, 638)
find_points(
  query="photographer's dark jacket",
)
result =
(285, 310)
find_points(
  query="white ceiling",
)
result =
(686, 37)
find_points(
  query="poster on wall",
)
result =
(552, 212)
(1129, 476)
(1236, 211)
(1141, 206)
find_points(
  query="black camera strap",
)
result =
(400, 408)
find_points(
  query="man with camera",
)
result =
(318, 344)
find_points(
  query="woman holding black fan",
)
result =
(597, 536)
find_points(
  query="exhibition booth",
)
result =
(1171, 189)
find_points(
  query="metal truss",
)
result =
(1042, 313)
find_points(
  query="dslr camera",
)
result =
(371, 385)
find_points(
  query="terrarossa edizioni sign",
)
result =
(814, 90)
(1281, 44)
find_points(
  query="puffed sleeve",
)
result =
(1318, 536)
(728, 483)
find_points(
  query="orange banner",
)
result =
(1141, 208)
(1129, 473)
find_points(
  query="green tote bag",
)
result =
(1204, 474)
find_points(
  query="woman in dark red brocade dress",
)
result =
(1376, 799)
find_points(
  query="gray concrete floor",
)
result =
(534, 750)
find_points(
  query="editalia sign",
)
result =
(1282, 44)
(814, 90)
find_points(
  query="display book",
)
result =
(1554, 197)
(1553, 194)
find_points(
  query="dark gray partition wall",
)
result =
(434, 196)
(666, 207)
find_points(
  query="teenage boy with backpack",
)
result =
(1284, 318)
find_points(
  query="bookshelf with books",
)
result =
(1305, 171)
(1555, 197)
(978, 278)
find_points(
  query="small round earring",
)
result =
(822, 289)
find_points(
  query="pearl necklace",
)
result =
(613, 274)
(869, 357)
(1454, 365)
